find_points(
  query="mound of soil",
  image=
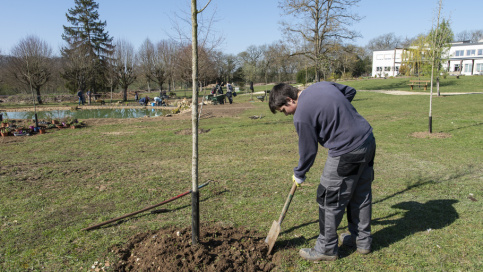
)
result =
(220, 248)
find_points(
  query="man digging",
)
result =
(323, 114)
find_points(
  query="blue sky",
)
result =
(241, 22)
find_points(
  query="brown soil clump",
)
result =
(220, 248)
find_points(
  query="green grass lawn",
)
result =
(449, 84)
(53, 185)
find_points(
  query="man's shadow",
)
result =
(434, 214)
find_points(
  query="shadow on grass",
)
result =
(434, 214)
(409, 188)
(146, 213)
(475, 125)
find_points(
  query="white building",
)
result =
(463, 58)
(386, 62)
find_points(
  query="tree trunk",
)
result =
(437, 86)
(125, 94)
(195, 215)
(39, 98)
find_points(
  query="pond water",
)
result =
(86, 114)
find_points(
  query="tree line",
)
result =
(94, 61)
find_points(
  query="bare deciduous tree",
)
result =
(167, 56)
(321, 23)
(77, 68)
(250, 59)
(146, 59)
(111, 75)
(125, 61)
(229, 66)
(31, 63)
(384, 42)
(472, 36)
(206, 64)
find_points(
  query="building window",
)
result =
(470, 52)
(379, 69)
(468, 68)
(398, 56)
(456, 68)
(387, 69)
(460, 53)
(387, 57)
(379, 57)
(479, 67)
(397, 69)
(480, 52)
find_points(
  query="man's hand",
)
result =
(297, 180)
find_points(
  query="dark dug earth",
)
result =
(220, 249)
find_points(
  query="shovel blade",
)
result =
(272, 236)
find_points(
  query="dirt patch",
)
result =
(427, 135)
(221, 248)
(188, 131)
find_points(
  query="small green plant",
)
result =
(5, 130)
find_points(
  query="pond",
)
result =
(86, 114)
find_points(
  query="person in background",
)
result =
(219, 91)
(229, 92)
(144, 101)
(81, 97)
(136, 96)
(158, 101)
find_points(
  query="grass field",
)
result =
(450, 84)
(53, 185)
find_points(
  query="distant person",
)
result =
(81, 97)
(136, 96)
(159, 101)
(251, 86)
(229, 92)
(219, 87)
(219, 91)
(144, 101)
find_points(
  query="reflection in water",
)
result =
(86, 114)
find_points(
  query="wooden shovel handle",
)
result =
(287, 203)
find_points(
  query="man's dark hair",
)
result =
(279, 95)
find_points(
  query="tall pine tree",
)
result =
(88, 48)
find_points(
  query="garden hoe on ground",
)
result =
(275, 229)
(145, 209)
